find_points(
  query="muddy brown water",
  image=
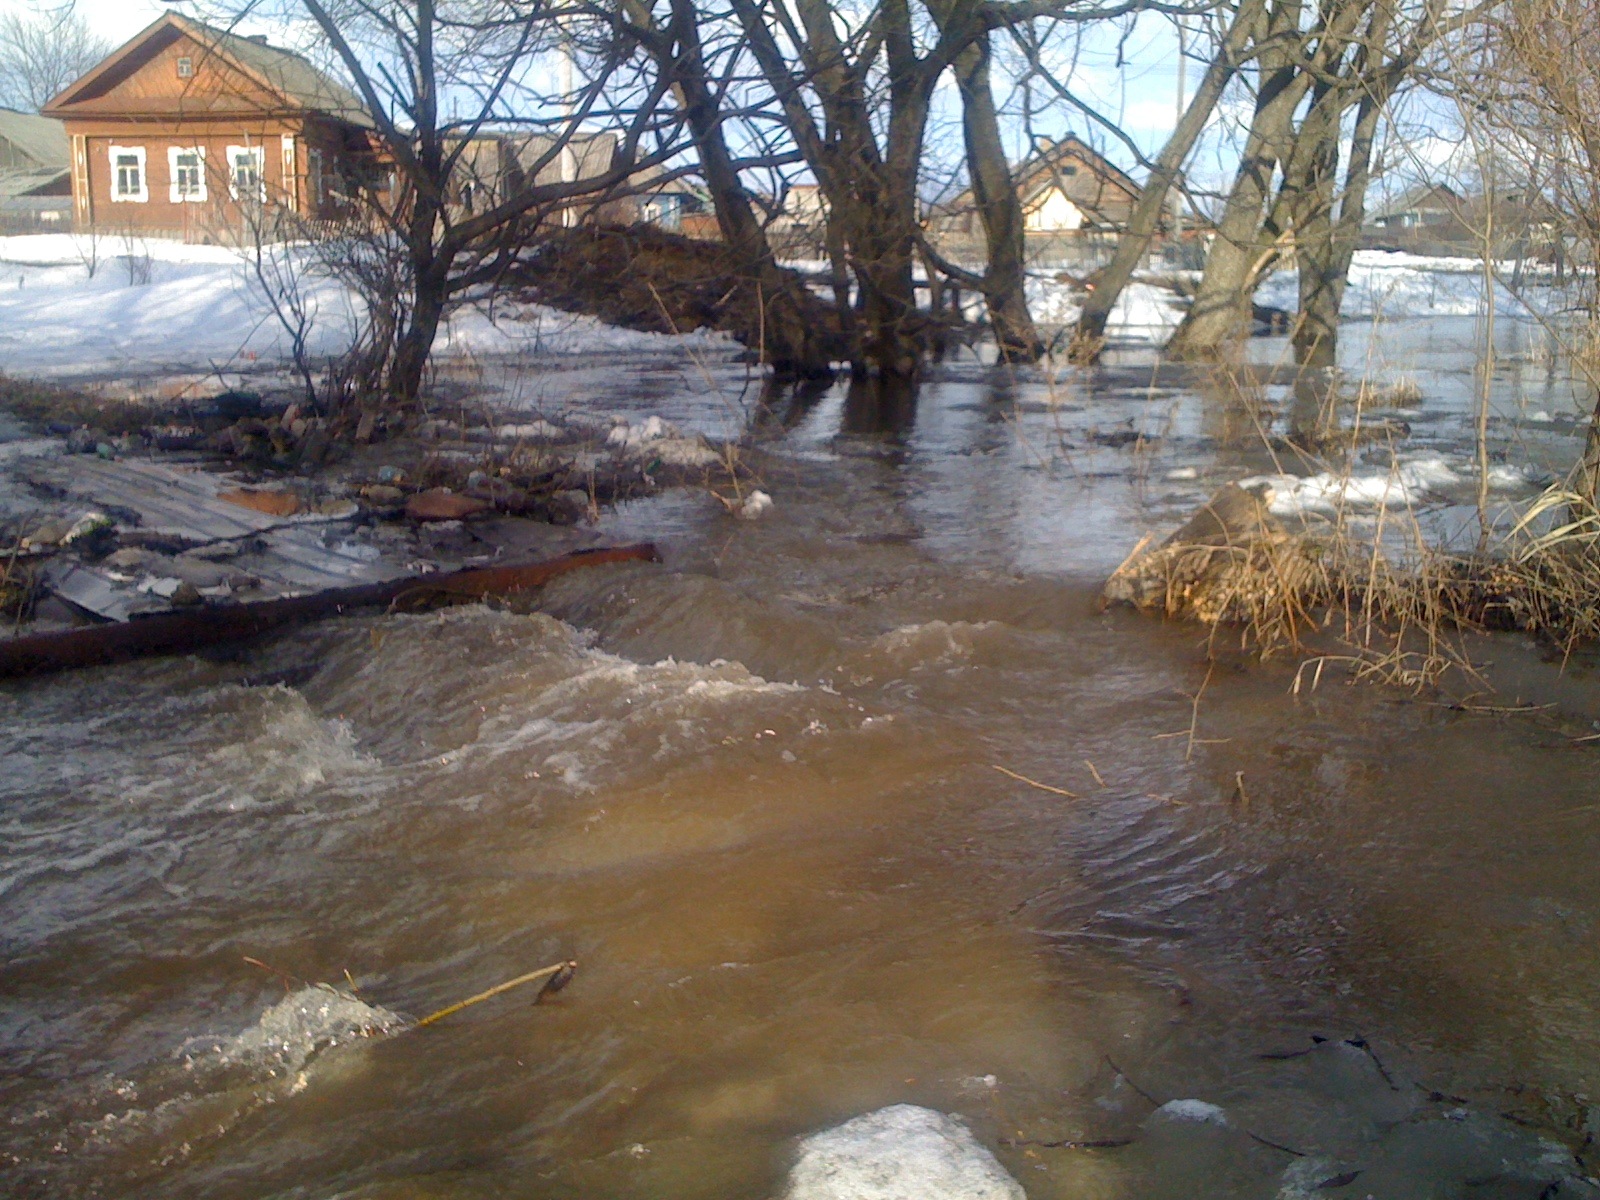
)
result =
(754, 792)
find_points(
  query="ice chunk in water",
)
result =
(899, 1153)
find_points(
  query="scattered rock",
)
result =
(186, 594)
(569, 507)
(1199, 1111)
(84, 440)
(314, 448)
(391, 475)
(51, 533)
(531, 431)
(382, 495)
(903, 1152)
(273, 503)
(437, 504)
(366, 427)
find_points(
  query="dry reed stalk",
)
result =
(1034, 783)
(556, 977)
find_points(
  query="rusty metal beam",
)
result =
(180, 632)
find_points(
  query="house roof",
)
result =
(592, 154)
(1439, 197)
(42, 139)
(35, 182)
(1040, 165)
(1041, 170)
(282, 72)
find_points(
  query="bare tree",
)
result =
(440, 78)
(1240, 26)
(790, 343)
(42, 52)
(1537, 100)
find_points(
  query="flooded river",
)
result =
(774, 797)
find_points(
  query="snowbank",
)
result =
(1390, 285)
(151, 304)
(1144, 311)
(899, 1153)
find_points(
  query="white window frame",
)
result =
(259, 156)
(118, 196)
(176, 193)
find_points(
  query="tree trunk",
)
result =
(999, 209)
(416, 341)
(790, 344)
(1220, 313)
(1146, 219)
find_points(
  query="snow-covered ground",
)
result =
(1392, 285)
(1144, 312)
(154, 304)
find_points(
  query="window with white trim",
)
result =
(314, 181)
(246, 178)
(188, 167)
(185, 67)
(128, 183)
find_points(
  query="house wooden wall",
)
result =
(156, 109)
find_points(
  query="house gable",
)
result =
(1068, 178)
(180, 69)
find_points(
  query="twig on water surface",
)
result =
(556, 977)
(1238, 788)
(1194, 720)
(1194, 710)
(1463, 706)
(1277, 1146)
(1043, 787)
(283, 976)
(1123, 1075)
(1094, 772)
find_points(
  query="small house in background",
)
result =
(1425, 206)
(192, 131)
(495, 165)
(1075, 202)
(1069, 187)
(35, 173)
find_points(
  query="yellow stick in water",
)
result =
(562, 971)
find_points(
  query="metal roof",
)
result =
(42, 139)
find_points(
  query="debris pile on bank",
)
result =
(641, 277)
(129, 512)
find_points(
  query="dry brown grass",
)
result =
(1340, 599)
(41, 404)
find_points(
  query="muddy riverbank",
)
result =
(753, 791)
